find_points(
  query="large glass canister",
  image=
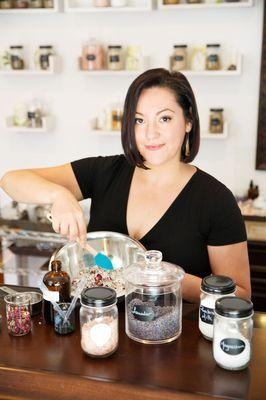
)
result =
(153, 300)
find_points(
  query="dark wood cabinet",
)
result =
(257, 259)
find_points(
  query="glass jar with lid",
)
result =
(170, 2)
(233, 328)
(213, 57)
(93, 56)
(133, 58)
(114, 58)
(21, 3)
(16, 56)
(212, 288)
(43, 57)
(179, 57)
(48, 3)
(6, 4)
(99, 321)
(216, 120)
(153, 300)
(100, 3)
(35, 3)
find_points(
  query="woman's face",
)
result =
(160, 126)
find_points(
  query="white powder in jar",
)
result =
(231, 351)
(100, 338)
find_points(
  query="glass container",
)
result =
(61, 327)
(43, 57)
(16, 55)
(153, 300)
(133, 58)
(114, 58)
(93, 56)
(100, 3)
(213, 57)
(216, 120)
(36, 4)
(179, 57)
(212, 288)
(21, 3)
(6, 4)
(48, 3)
(99, 321)
(233, 328)
(18, 314)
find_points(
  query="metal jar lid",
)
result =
(234, 307)
(98, 297)
(218, 284)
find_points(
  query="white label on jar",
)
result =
(51, 296)
(100, 334)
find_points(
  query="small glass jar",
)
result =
(64, 327)
(21, 3)
(216, 120)
(179, 57)
(169, 2)
(99, 321)
(100, 3)
(153, 300)
(212, 288)
(116, 117)
(18, 314)
(133, 58)
(118, 3)
(6, 4)
(35, 4)
(93, 56)
(233, 328)
(16, 55)
(114, 58)
(44, 54)
(194, 1)
(213, 57)
(48, 3)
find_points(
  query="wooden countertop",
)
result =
(44, 365)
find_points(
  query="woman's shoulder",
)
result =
(210, 183)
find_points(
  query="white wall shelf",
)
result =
(16, 72)
(204, 6)
(22, 11)
(46, 126)
(77, 6)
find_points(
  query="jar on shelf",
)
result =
(179, 57)
(48, 3)
(16, 56)
(119, 3)
(216, 120)
(170, 2)
(34, 117)
(116, 117)
(18, 314)
(233, 328)
(21, 3)
(213, 57)
(194, 1)
(93, 56)
(100, 3)
(99, 321)
(43, 57)
(133, 58)
(212, 288)
(35, 4)
(153, 300)
(114, 57)
(6, 4)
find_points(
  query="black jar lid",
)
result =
(114, 47)
(182, 46)
(46, 47)
(16, 47)
(216, 109)
(98, 296)
(218, 284)
(234, 307)
(213, 45)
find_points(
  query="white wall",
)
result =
(73, 98)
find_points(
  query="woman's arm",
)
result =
(56, 186)
(230, 260)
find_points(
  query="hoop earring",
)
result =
(187, 149)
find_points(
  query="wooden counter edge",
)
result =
(22, 384)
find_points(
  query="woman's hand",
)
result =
(67, 217)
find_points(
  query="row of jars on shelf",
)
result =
(8, 4)
(111, 119)
(173, 2)
(14, 58)
(28, 114)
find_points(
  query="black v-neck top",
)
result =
(204, 213)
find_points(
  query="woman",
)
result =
(151, 193)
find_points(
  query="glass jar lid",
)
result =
(182, 46)
(154, 272)
(234, 307)
(216, 109)
(218, 284)
(98, 297)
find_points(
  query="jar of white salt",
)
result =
(99, 321)
(233, 327)
(212, 288)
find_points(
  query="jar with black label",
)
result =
(212, 288)
(44, 54)
(116, 117)
(213, 57)
(16, 56)
(179, 57)
(153, 300)
(21, 3)
(93, 56)
(99, 321)
(114, 58)
(216, 120)
(233, 328)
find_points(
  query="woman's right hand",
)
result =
(67, 217)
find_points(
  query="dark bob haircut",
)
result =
(179, 85)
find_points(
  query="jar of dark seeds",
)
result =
(153, 300)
